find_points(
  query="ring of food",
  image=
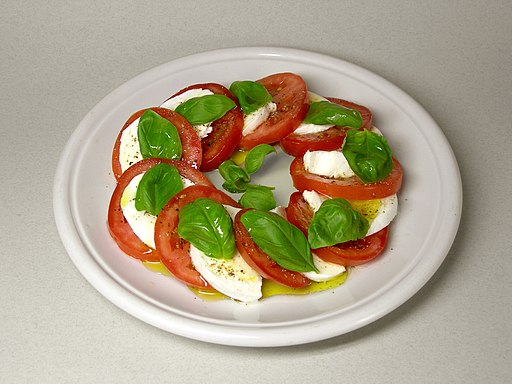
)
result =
(165, 212)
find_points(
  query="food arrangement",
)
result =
(165, 209)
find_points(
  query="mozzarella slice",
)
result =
(202, 130)
(129, 150)
(258, 117)
(327, 270)
(379, 212)
(232, 277)
(177, 100)
(380, 218)
(331, 164)
(305, 128)
(141, 222)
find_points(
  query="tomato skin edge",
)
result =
(328, 140)
(289, 92)
(119, 228)
(226, 133)
(351, 253)
(191, 145)
(261, 262)
(351, 188)
(172, 249)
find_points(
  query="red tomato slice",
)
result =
(351, 188)
(191, 153)
(174, 251)
(289, 92)
(226, 131)
(329, 140)
(350, 253)
(261, 262)
(119, 228)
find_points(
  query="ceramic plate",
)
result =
(429, 209)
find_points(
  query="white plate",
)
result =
(429, 211)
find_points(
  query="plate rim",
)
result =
(280, 334)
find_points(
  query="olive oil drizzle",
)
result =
(269, 288)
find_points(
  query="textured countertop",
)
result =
(59, 59)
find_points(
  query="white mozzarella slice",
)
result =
(202, 130)
(376, 130)
(386, 211)
(385, 215)
(258, 117)
(305, 128)
(175, 101)
(315, 98)
(331, 164)
(314, 199)
(326, 270)
(129, 150)
(141, 222)
(232, 277)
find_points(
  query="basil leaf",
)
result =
(336, 222)
(256, 155)
(259, 197)
(250, 94)
(156, 188)
(281, 241)
(158, 137)
(206, 225)
(325, 113)
(368, 154)
(205, 109)
(236, 178)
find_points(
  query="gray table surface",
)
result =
(60, 58)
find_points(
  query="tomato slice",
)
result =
(226, 131)
(328, 140)
(174, 251)
(261, 262)
(119, 228)
(351, 188)
(289, 92)
(191, 153)
(349, 253)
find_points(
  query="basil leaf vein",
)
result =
(281, 241)
(258, 197)
(326, 113)
(236, 179)
(250, 94)
(156, 187)
(255, 157)
(158, 137)
(368, 154)
(205, 109)
(336, 222)
(206, 225)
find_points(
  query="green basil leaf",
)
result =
(326, 113)
(206, 225)
(236, 178)
(256, 155)
(259, 197)
(250, 94)
(281, 241)
(368, 154)
(205, 109)
(158, 137)
(336, 222)
(156, 188)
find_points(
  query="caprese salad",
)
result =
(164, 209)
